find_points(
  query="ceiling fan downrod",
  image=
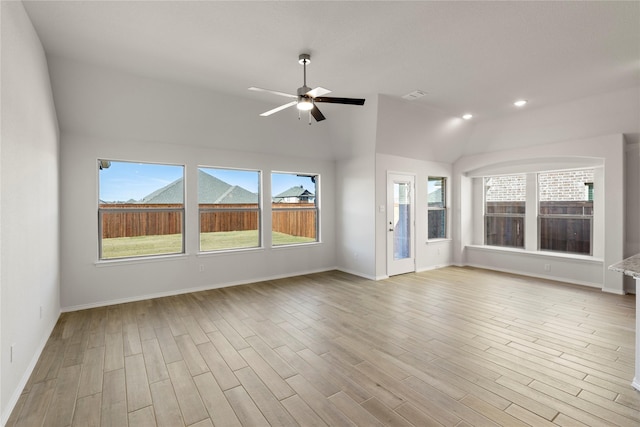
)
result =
(304, 59)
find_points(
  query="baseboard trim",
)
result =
(356, 273)
(432, 267)
(614, 291)
(538, 276)
(636, 383)
(189, 290)
(27, 374)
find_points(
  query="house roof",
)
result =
(210, 190)
(435, 196)
(233, 195)
(296, 191)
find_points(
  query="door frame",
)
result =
(405, 265)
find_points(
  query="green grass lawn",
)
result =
(122, 247)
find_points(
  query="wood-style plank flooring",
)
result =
(453, 347)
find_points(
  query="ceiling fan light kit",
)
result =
(305, 104)
(306, 98)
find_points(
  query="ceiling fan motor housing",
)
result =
(302, 91)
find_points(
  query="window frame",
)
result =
(316, 179)
(444, 208)
(258, 210)
(521, 217)
(540, 216)
(105, 164)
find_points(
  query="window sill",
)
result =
(139, 260)
(229, 252)
(542, 254)
(295, 245)
(431, 241)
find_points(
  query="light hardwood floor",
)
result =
(454, 347)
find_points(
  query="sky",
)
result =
(124, 181)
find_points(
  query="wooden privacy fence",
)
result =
(504, 224)
(228, 217)
(566, 226)
(295, 219)
(130, 219)
(562, 225)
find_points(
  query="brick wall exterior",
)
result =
(568, 185)
(564, 186)
(508, 188)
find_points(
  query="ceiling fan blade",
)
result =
(282, 107)
(275, 92)
(319, 91)
(329, 99)
(317, 114)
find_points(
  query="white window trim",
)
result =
(317, 202)
(447, 214)
(259, 210)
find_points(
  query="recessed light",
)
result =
(467, 116)
(520, 103)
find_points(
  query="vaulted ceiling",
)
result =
(474, 57)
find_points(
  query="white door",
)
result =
(400, 224)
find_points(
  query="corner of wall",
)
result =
(29, 165)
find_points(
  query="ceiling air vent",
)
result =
(414, 95)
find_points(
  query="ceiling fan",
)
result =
(306, 98)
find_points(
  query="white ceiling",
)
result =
(469, 56)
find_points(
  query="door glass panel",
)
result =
(401, 220)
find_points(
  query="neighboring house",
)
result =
(211, 190)
(435, 197)
(297, 194)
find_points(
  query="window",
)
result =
(140, 209)
(589, 190)
(437, 208)
(565, 217)
(229, 205)
(504, 212)
(295, 212)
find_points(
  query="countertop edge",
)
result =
(629, 266)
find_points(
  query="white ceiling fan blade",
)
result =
(319, 91)
(275, 92)
(282, 107)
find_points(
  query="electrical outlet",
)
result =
(201, 268)
(547, 267)
(11, 353)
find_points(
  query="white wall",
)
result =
(608, 246)
(607, 114)
(355, 190)
(414, 130)
(428, 254)
(98, 101)
(419, 140)
(87, 283)
(125, 117)
(355, 216)
(29, 269)
(632, 208)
